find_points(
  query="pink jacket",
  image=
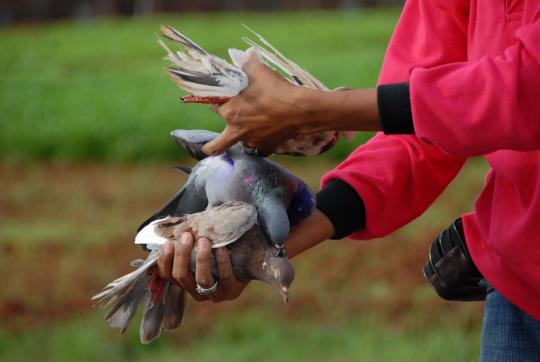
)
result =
(474, 72)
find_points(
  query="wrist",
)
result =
(310, 232)
(343, 207)
(311, 110)
(343, 110)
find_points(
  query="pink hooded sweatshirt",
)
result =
(474, 73)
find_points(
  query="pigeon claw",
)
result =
(205, 100)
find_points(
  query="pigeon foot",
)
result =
(205, 100)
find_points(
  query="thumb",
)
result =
(259, 71)
(222, 142)
(253, 59)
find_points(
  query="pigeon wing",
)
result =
(230, 221)
(305, 145)
(223, 224)
(275, 58)
(190, 199)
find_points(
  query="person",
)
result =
(460, 78)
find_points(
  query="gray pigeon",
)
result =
(210, 79)
(232, 225)
(280, 198)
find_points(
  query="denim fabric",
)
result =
(509, 334)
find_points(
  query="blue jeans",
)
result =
(509, 334)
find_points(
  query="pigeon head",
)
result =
(278, 272)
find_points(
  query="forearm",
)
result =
(312, 231)
(346, 110)
(340, 211)
(386, 108)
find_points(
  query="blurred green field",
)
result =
(81, 102)
(97, 90)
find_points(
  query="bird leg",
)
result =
(205, 100)
(155, 287)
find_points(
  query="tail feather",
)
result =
(162, 311)
(123, 312)
(152, 319)
(118, 287)
(174, 308)
(184, 169)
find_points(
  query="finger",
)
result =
(228, 285)
(253, 60)
(203, 273)
(254, 67)
(225, 270)
(180, 269)
(165, 261)
(222, 142)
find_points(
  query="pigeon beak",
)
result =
(285, 294)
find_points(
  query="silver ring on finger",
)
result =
(206, 291)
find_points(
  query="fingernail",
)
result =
(203, 244)
(169, 247)
(184, 238)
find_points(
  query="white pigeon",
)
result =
(212, 80)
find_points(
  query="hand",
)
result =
(173, 265)
(264, 115)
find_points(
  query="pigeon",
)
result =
(230, 224)
(210, 79)
(280, 198)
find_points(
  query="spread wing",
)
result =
(276, 59)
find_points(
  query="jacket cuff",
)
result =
(394, 103)
(343, 206)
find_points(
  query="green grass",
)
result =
(76, 91)
(255, 336)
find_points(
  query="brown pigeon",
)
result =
(232, 225)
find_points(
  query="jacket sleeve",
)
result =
(398, 176)
(475, 108)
